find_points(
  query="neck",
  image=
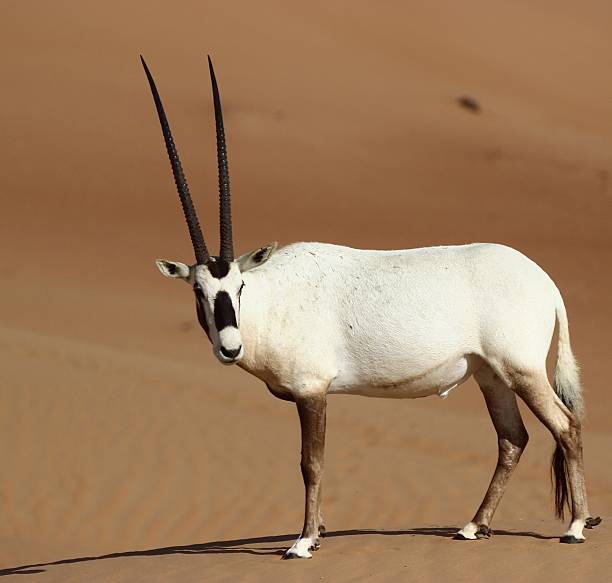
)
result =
(254, 309)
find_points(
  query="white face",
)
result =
(218, 285)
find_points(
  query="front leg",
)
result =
(311, 410)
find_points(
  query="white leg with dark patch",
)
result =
(468, 532)
(311, 410)
(566, 429)
(574, 532)
(301, 549)
(511, 439)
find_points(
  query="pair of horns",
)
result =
(225, 211)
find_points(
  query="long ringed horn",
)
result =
(195, 232)
(225, 208)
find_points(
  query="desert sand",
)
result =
(128, 452)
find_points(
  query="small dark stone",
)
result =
(592, 522)
(469, 103)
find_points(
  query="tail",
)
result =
(567, 386)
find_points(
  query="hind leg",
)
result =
(511, 438)
(568, 466)
(322, 531)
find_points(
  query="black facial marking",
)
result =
(218, 268)
(224, 312)
(200, 310)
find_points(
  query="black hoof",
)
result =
(459, 536)
(289, 556)
(568, 539)
(592, 522)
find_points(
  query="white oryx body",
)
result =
(312, 319)
(403, 324)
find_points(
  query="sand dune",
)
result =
(128, 452)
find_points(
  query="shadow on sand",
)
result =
(265, 545)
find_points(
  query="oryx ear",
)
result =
(256, 258)
(173, 269)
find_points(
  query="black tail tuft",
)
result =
(560, 482)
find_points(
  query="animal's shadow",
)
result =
(265, 545)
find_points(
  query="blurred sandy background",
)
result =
(120, 433)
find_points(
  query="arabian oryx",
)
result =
(312, 319)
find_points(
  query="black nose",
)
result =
(230, 353)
